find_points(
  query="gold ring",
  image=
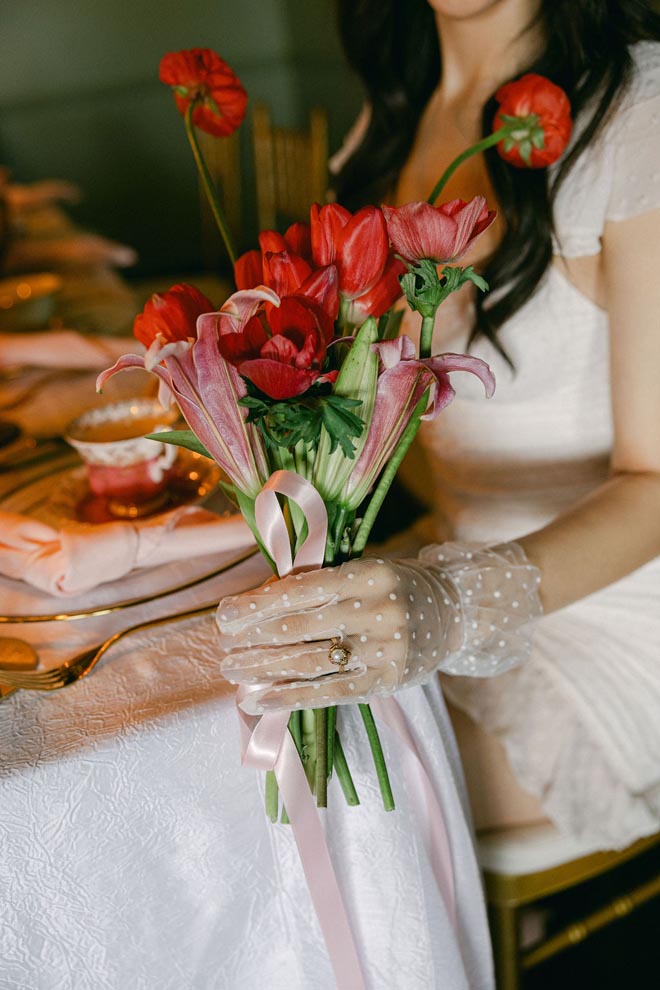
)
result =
(338, 654)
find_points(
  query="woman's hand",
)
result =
(395, 619)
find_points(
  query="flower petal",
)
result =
(362, 252)
(237, 310)
(248, 270)
(279, 381)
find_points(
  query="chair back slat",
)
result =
(291, 167)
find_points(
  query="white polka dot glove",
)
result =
(371, 626)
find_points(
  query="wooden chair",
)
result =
(291, 167)
(222, 156)
(524, 865)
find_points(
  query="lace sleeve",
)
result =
(635, 138)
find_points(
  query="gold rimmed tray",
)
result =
(52, 497)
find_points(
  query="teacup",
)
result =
(123, 467)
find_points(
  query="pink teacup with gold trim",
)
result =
(123, 467)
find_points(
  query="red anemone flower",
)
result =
(442, 233)
(280, 347)
(199, 76)
(544, 114)
(171, 316)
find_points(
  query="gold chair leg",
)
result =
(505, 946)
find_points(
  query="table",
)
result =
(134, 849)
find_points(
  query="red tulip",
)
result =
(199, 76)
(381, 297)
(284, 273)
(171, 316)
(287, 273)
(544, 115)
(357, 244)
(248, 270)
(441, 233)
(295, 239)
(279, 345)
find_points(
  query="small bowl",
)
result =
(27, 302)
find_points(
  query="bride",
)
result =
(544, 507)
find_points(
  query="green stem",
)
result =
(379, 758)
(321, 720)
(209, 185)
(337, 532)
(344, 774)
(474, 149)
(426, 338)
(332, 730)
(272, 796)
(308, 725)
(387, 477)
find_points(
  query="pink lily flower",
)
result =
(442, 233)
(402, 381)
(207, 389)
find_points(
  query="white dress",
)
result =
(581, 721)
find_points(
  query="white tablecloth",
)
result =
(134, 849)
(135, 853)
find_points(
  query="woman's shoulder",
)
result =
(617, 176)
(645, 81)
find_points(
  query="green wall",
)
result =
(80, 98)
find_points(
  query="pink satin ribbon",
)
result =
(267, 745)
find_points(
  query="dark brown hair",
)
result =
(393, 47)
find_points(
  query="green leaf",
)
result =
(246, 505)
(340, 423)
(423, 287)
(390, 324)
(355, 389)
(181, 438)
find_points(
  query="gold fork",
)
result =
(79, 666)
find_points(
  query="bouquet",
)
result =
(301, 386)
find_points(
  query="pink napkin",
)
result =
(73, 560)
(64, 349)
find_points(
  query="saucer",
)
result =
(192, 477)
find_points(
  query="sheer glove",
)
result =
(458, 608)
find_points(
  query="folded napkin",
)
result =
(74, 560)
(65, 349)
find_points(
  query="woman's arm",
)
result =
(617, 528)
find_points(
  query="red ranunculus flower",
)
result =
(171, 316)
(281, 350)
(199, 76)
(441, 233)
(544, 113)
(355, 243)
